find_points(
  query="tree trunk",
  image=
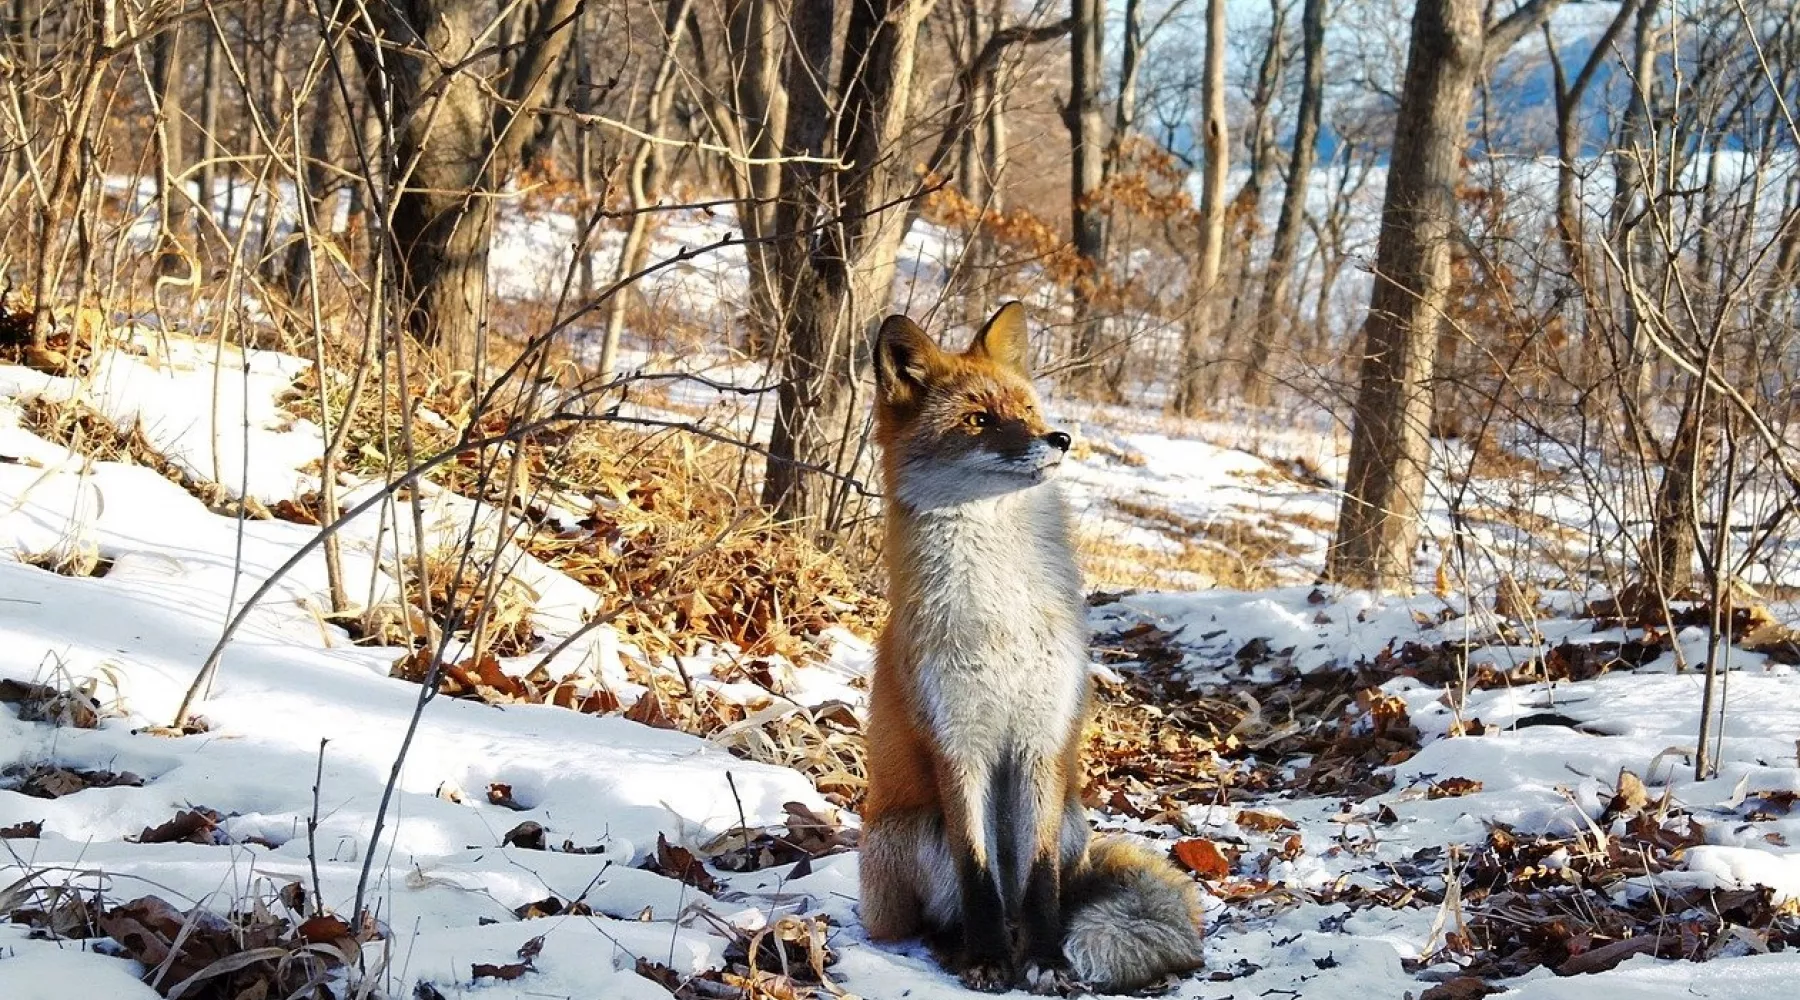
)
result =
(324, 136)
(1125, 111)
(969, 177)
(1631, 194)
(754, 35)
(1275, 305)
(452, 149)
(1086, 172)
(167, 74)
(1672, 519)
(1246, 207)
(1202, 327)
(1378, 520)
(1569, 95)
(212, 82)
(842, 276)
(581, 99)
(645, 181)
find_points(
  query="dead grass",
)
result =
(1229, 552)
(91, 434)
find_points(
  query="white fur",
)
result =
(997, 628)
(931, 483)
(1135, 924)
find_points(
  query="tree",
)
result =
(1632, 192)
(1378, 519)
(644, 178)
(1082, 116)
(1202, 326)
(167, 75)
(1279, 275)
(456, 134)
(1568, 94)
(756, 125)
(840, 231)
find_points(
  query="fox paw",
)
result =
(986, 977)
(1052, 980)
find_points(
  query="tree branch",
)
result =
(1503, 34)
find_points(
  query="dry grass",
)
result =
(92, 435)
(1226, 552)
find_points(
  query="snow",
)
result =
(296, 704)
(1647, 979)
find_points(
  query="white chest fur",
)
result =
(993, 619)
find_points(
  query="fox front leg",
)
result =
(986, 960)
(1052, 811)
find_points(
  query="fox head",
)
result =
(960, 427)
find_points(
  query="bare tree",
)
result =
(455, 137)
(1083, 117)
(168, 72)
(756, 125)
(644, 178)
(1279, 274)
(1378, 520)
(1202, 325)
(840, 230)
(1568, 97)
(1631, 192)
(1244, 213)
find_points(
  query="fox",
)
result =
(974, 834)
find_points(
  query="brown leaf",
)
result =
(659, 974)
(1452, 788)
(483, 970)
(323, 929)
(43, 703)
(1460, 988)
(1631, 798)
(1202, 857)
(527, 835)
(50, 781)
(293, 896)
(679, 863)
(649, 711)
(191, 826)
(1606, 956)
(1263, 822)
(501, 794)
(549, 906)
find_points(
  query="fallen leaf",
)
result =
(1202, 857)
(1263, 822)
(501, 794)
(1451, 788)
(510, 971)
(323, 929)
(527, 835)
(191, 826)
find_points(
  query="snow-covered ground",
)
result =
(303, 728)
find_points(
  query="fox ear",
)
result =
(1005, 340)
(904, 357)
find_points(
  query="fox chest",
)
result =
(999, 647)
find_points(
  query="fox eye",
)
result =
(980, 420)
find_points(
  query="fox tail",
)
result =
(1131, 917)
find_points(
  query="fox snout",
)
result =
(1060, 440)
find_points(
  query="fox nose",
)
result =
(1059, 440)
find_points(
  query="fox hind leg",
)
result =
(909, 883)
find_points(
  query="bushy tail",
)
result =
(1131, 917)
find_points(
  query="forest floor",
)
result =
(1380, 797)
(1485, 789)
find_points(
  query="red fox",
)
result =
(973, 828)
